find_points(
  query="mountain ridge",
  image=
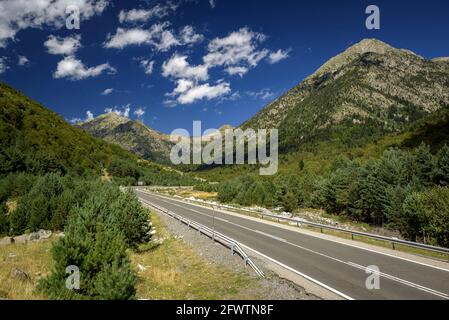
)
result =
(131, 135)
(371, 87)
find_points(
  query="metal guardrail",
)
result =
(353, 233)
(214, 235)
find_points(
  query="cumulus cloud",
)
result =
(22, 61)
(277, 56)
(189, 36)
(189, 92)
(238, 49)
(120, 111)
(147, 65)
(16, 15)
(74, 69)
(3, 66)
(177, 67)
(237, 53)
(241, 71)
(139, 112)
(158, 36)
(63, 46)
(89, 117)
(127, 37)
(107, 91)
(143, 15)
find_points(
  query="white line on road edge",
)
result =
(390, 277)
(311, 235)
(408, 283)
(293, 270)
(325, 286)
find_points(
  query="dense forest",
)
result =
(399, 182)
(403, 190)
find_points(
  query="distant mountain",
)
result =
(362, 94)
(37, 140)
(131, 135)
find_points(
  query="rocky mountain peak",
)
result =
(354, 52)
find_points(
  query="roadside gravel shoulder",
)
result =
(272, 287)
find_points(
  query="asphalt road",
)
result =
(341, 267)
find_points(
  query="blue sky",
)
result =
(170, 63)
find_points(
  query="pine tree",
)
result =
(441, 169)
(423, 164)
(131, 218)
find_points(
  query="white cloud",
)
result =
(89, 117)
(177, 67)
(63, 46)
(107, 91)
(212, 3)
(277, 56)
(166, 40)
(74, 69)
(238, 49)
(16, 15)
(142, 15)
(147, 65)
(122, 112)
(139, 112)
(189, 36)
(264, 94)
(241, 71)
(22, 61)
(157, 36)
(3, 66)
(194, 93)
(123, 38)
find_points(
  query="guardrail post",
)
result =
(352, 236)
(394, 247)
(232, 249)
(321, 229)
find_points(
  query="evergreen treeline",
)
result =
(404, 190)
(100, 224)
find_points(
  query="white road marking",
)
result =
(351, 264)
(316, 236)
(405, 282)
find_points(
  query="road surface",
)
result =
(342, 268)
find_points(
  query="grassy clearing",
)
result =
(34, 259)
(173, 270)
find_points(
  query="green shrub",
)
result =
(97, 236)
